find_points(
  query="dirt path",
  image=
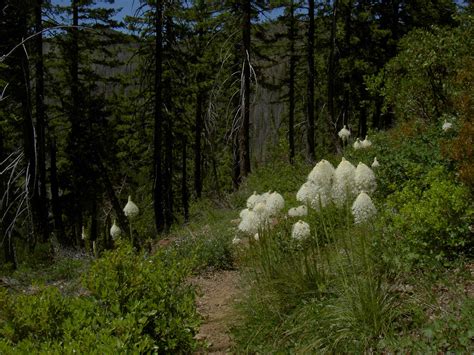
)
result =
(217, 293)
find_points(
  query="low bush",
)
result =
(132, 304)
(432, 216)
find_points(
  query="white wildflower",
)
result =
(131, 209)
(265, 196)
(344, 134)
(344, 182)
(357, 144)
(363, 208)
(375, 164)
(300, 230)
(275, 203)
(262, 212)
(307, 192)
(298, 211)
(365, 143)
(322, 174)
(253, 200)
(236, 240)
(447, 125)
(256, 237)
(321, 197)
(365, 179)
(244, 212)
(260, 208)
(115, 231)
(250, 223)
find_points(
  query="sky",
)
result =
(128, 7)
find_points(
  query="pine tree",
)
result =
(310, 92)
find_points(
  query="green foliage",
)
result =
(133, 303)
(35, 318)
(448, 328)
(420, 81)
(407, 152)
(150, 294)
(433, 215)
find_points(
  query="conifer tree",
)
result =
(310, 92)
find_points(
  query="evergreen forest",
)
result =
(236, 176)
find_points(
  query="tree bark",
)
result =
(197, 142)
(310, 88)
(40, 123)
(291, 84)
(184, 178)
(55, 202)
(331, 74)
(158, 118)
(168, 101)
(244, 132)
(29, 142)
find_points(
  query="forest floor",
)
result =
(217, 292)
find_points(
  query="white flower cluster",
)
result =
(344, 134)
(363, 209)
(340, 185)
(115, 231)
(316, 191)
(260, 208)
(375, 164)
(447, 125)
(358, 144)
(131, 209)
(344, 182)
(365, 179)
(300, 230)
(323, 186)
(300, 211)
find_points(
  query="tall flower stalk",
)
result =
(131, 211)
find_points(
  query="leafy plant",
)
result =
(433, 215)
(133, 303)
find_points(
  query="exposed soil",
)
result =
(217, 292)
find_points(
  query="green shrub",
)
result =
(148, 298)
(432, 216)
(133, 304)
(407, 152)
(35, 317)
(420, 81)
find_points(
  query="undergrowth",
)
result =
(373, 287)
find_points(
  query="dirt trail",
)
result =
(217, 293)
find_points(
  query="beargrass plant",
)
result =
(329, 278)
